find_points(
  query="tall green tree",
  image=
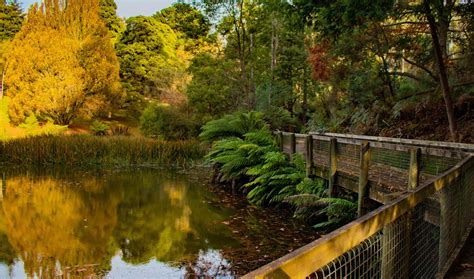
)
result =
(212, 91)
(108, 12)
(186, 19)
(148, 57)
(234, 27)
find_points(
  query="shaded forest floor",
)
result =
(429, 123)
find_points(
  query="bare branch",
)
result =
(430, 73)
(412, 76)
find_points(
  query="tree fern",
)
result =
(276, 178)
(310, 206)
(244, 149)
(233, 125)
(235, 156)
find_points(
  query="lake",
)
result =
(141, 223)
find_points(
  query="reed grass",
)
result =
(93, 150)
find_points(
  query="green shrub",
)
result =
(278, 178)
(31, 124)
(167, 122)
(52, 129)
(329, 213)
(99, 128)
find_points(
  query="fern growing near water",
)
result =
(233, 125)
(245, 150)
(277, 178)
(338, 211)
(234, 156)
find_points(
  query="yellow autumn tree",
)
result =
(62, 63)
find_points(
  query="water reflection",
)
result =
(144, 224)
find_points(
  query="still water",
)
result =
(133, 224)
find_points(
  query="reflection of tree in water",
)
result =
(168, 220)
(50, 223)
(63, 224)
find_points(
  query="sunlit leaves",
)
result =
(62, 64)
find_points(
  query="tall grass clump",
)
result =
(83, 150)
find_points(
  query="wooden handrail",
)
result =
(427, 143)
(442, 149)
(317, 254)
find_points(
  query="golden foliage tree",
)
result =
(62, 63)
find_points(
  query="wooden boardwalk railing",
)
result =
(414, 235)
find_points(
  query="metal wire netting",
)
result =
(424, 240)
(374, 257)
(391, 158)
(405, 248)
(434, 165)
(417, 244)
(321, 153)
(301, 146)
(346, 152)
(321, 146)
(286, 138)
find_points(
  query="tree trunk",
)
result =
(305, 95)
(442, 71)
(274, 46)
(253, 96)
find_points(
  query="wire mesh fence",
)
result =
(286, 138)
(391, 158)
(434, 165)
(389, 164)
(428, 223)
(356, 262)
(418, 243)
(301, 145)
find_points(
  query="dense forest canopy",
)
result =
(396, 68)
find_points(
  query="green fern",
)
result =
(244, 149)
(235, 156)
(275, 178)
(310, 206)
(233, 125)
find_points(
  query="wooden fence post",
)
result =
(309, 155)
(332, 166)
(413, 183)
(280, 140)
(363, 176)
(292, 144)
(414, 171)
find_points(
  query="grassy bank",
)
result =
(92, 150)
